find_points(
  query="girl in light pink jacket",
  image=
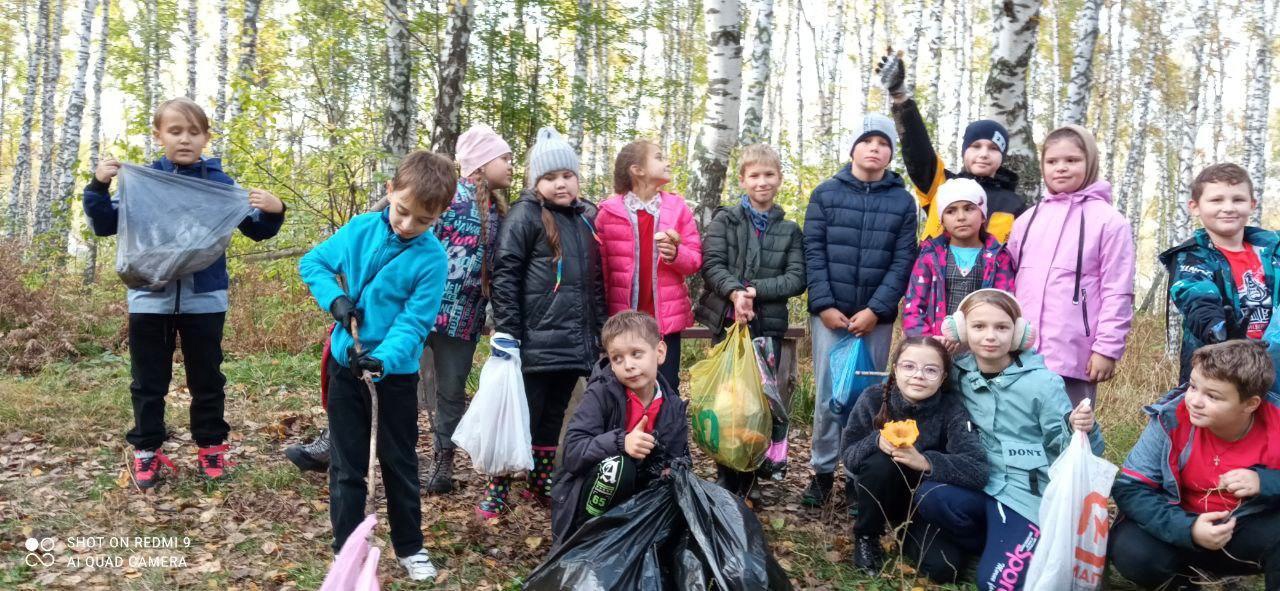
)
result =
(1075, 259)
(649, 246)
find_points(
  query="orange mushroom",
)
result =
(900, 433)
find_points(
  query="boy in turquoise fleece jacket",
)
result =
(395, 273)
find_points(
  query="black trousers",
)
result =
(883, 491)
(1152, 564)
(670, 369)
(152, 340)
(349, 420)
(548, 394)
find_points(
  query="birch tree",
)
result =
(1130, 195)
(453, 72)
(1257, 106)
(193, 42)
(22, 167)
(581, 47)
(220, 100)
(719, 128)
(48, 122)
(1084, 33)
(95, 126)
(758, 80)
(69, 146)
(244, 77)
(935, 60)
(400, 106)
(1119, 69)
(1015, 37)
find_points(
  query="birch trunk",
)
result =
(1130, 194)
(719, 128)
(69, 149)
(936, 11)
(582, 42)
(1015, 33)
(400, 105)
(1257, 107)
(193, 43)
(1084, 35)
(220, 100)
(1118, 86)
(244, 69)
(20, 188)
(95, 128)
(48, 124)
(1181, 225)
(758, 82)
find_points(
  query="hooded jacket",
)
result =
(1075, 259)
(926, 299)
(1149, 489)
(1022, 420)
(859, 243)
(733, 257)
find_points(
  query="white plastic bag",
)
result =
(1074, 521)
(495, 429)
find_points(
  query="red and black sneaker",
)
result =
(147, 468)
(213, 461)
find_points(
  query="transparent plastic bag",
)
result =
(731, 417)
(172, 225)
(495, 429)
(775, 458)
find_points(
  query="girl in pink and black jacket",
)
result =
(964, 259)
(649, 246)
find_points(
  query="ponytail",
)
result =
(553, 233)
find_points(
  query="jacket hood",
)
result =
(167, 165)
(890, 180)
(1099, 190)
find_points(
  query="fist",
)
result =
(107, 169)
(268, 203)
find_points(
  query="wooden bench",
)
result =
(787, 357)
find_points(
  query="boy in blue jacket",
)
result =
(395, 273)
(193, 307)
(1199, 491)
(859, 247)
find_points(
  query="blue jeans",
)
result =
(958, 523)
(827, 427)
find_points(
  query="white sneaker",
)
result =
(419, 566)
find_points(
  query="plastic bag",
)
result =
(731, 418)
(172, 225)
(681, 533)
(849, 357)
(1074, 522)
(774, 464)
(495, 429)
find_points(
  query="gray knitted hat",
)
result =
(875, 124)
(551, 153)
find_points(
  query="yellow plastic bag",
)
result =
(731, 419)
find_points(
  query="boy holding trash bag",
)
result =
(1198, 493)
(395, 269)
(191, 305)
(628, 428)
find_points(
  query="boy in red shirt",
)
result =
(1198, 493)
(628, 429)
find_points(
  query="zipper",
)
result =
(177, 299)
(1084, 310)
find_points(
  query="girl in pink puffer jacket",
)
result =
(649, 246)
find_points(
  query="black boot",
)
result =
(312, 456)
(868, 556)
(440, 476)
(819, 490)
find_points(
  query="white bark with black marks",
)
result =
(400, 106)
(1130, 194)
(69, 146)
(719, 130)
(758, 80)
(453, 73)
(193, 44)
(244, 76)
(581, 49)
(19, 190)
(48, 123)
(220, 100)
(936, 9)
(1257, 106)
(1015, 25)
(95, 128)
(1084, 34)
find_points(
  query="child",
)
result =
(650, 246)
(547, 295)
(192, 307)
(983, 148)
(1022, 414)
(1074, 255)
(947, 449)
(859, 242)
(1214, 513)
(1222, 279)
(944, 272)
(469, 232)
(395, 269)
(627, 430)
(753, 263)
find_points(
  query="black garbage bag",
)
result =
(681, 534)
(172, 225)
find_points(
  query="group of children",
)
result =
(1002, 340)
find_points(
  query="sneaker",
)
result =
(213, 461)
(440, 476)
(868, 556)
(147, 470)
(311, 457)
(819, 490)
(419, 566)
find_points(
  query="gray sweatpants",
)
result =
(825, 453)
(451, 360)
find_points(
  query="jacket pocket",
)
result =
(1027, 462)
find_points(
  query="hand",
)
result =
(952, 346)
(1101, 368)
(1241, 482)
(833, 319)
(743, 306)
(1082, 417)
(1213, 537)
(362, 362)
(911, 457)
(885, 446)
(503, 345)
(666, 246)
(862, 322)
(893, 71)
(265, 201)
(107, 169)
(344, 312)
(638, 444)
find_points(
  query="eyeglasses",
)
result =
(910, 369)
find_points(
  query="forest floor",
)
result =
(63, 475)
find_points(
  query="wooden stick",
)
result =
(370, 507)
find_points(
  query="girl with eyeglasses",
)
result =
(946, 450)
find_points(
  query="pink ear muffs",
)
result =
(953, 327)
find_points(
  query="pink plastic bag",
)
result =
(356, 566)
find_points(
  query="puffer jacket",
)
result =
(554, 308)
(926, 300)
(1148, 489)
(734, 258)
(1075, 258)
(1203, 288)
(1022, 420)
(618, 250)
(859, 244)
